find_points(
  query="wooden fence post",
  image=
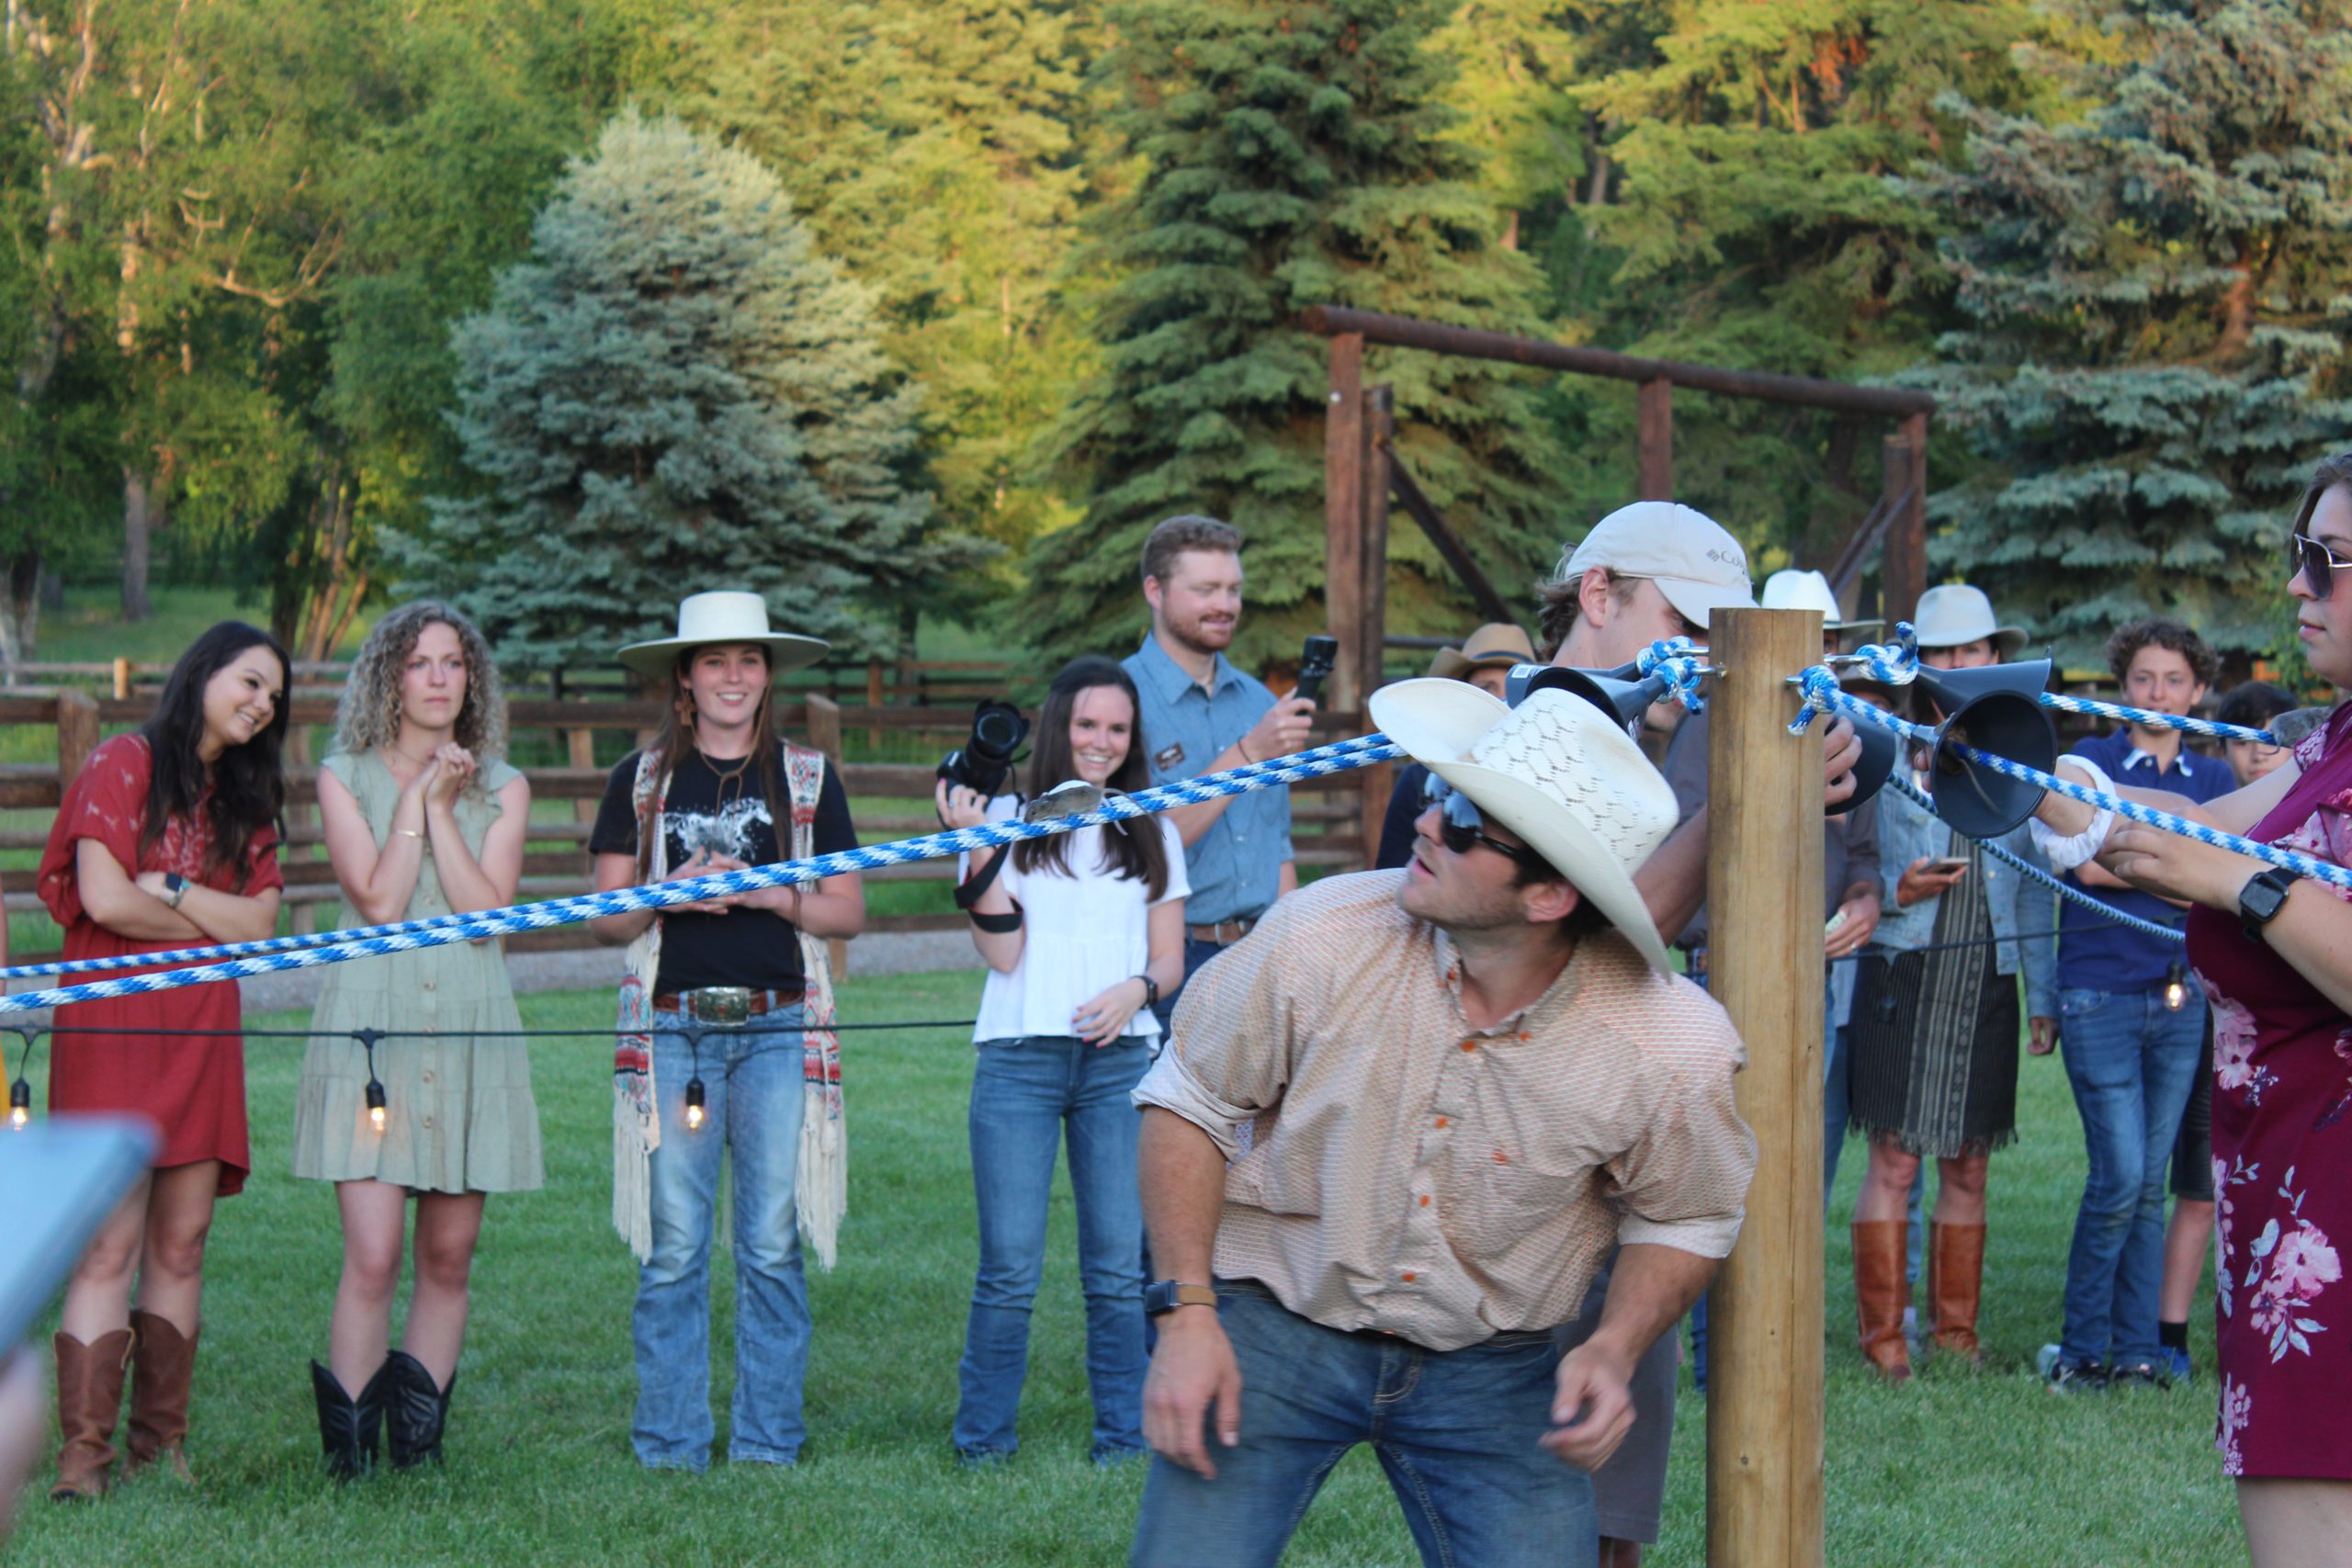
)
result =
(1765, 965)
(1903, 564)
(579, 751)
(77, 734)
(1653, 439)
(121, 679)
(1343, 498)
(825, 734)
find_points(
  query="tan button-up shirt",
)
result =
(1409, 1173)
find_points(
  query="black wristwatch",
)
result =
(1150, 990)
(1164, 1296)
(2262, 898)
(174, 888)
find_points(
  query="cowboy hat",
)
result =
(1498, 644)
(1554, 771)
(1795, 590)
(1956, 613)
(1698, 566)
(707, 618)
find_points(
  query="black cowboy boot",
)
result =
(417, 1409)
(348, 1427)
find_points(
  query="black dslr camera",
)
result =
(1315, 665)
(985, 761)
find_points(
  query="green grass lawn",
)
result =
(1958, 1468)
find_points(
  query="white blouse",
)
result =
(1081, 934)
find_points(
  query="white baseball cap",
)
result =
(1698, 566)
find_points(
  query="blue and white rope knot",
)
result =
(1681, 662)
(2147, 815)
(2063, 889)
(237, 960)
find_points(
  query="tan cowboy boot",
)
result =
(1880, 1287)
(1955, 1287)
(163, 1364)
(89, 1399)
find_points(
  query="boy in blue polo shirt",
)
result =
(2130, 1037)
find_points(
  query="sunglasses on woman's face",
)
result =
(2315, 561)
(1460, 827)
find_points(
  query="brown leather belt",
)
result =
(726, 1004)
(1225, 933)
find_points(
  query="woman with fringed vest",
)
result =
(724, 1031)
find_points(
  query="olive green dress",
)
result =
(458, 1112)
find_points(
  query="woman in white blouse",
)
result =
(1081, 932)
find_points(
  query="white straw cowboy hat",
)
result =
(730, 617)
(1956, 614)
(1698, 566)
(1498, 644)
(1795, 589)
(1556, 771)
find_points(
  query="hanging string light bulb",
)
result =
(20, 1104)
(2176, 987)
(694, 1105)
(375, 1116)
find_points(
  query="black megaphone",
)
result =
(1614, 691)
(1995, 709)
(1881, 748)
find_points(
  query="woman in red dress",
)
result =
(166, 838)
(2274, 952)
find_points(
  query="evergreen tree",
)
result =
(2157, 291)
(677, 392)
(1753, 226)
(1291, 154)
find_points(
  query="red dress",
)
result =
(191, 1087)
(2282, 1160)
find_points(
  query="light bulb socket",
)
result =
(20, 1096)
(376, 1103)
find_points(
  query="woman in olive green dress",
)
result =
(422, 818)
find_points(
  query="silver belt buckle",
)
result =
(728, 1005)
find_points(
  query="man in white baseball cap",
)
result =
(1470, 1080)
(1795, 590)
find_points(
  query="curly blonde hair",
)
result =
(369, 712)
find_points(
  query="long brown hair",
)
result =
(676, 742)
(1132, 850)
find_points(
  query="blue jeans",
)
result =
(752, 1087)
(1455, 1430)
(1027, 1095)
(2132, 1062)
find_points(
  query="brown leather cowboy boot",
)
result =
(1880, 1287)
(89, 1399)
(1956, 1286)
(163, 1364)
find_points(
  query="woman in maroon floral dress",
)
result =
(2274, 952)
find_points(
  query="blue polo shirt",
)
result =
(2094, 953)
(1236, 866)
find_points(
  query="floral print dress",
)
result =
(2282, 1160)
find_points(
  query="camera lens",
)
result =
(997, 731)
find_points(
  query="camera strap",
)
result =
(968, 893)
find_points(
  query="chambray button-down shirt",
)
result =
(2095, 954)
(1236, 866)
(1410, 1172)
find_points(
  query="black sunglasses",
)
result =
(1459, 825)
(2315, 561)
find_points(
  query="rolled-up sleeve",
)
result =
(1684, 1183)
(1230, 1044)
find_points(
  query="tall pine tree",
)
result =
(2158, 289)
(1291, 154)
(677, 392)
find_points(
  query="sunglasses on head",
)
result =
(1460, 827)
(2315, 561)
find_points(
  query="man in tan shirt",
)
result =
(1398, 1130)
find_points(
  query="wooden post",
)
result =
(305, 916)
(1765, 965)
(121, 679)
(825, 734)
(874, 700)
(579, 751)
(1903, 566)
(1372, 620)
(1653, 439)
(1343, 496)
(77, 734)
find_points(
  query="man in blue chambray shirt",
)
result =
(1201, 714)
(2132, 1044)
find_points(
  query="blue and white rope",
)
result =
(2149, 719)
(335, 947)
(1893, 663)
(1681, 662)
(551, 912)
(2066, 890)
(1826, 692)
